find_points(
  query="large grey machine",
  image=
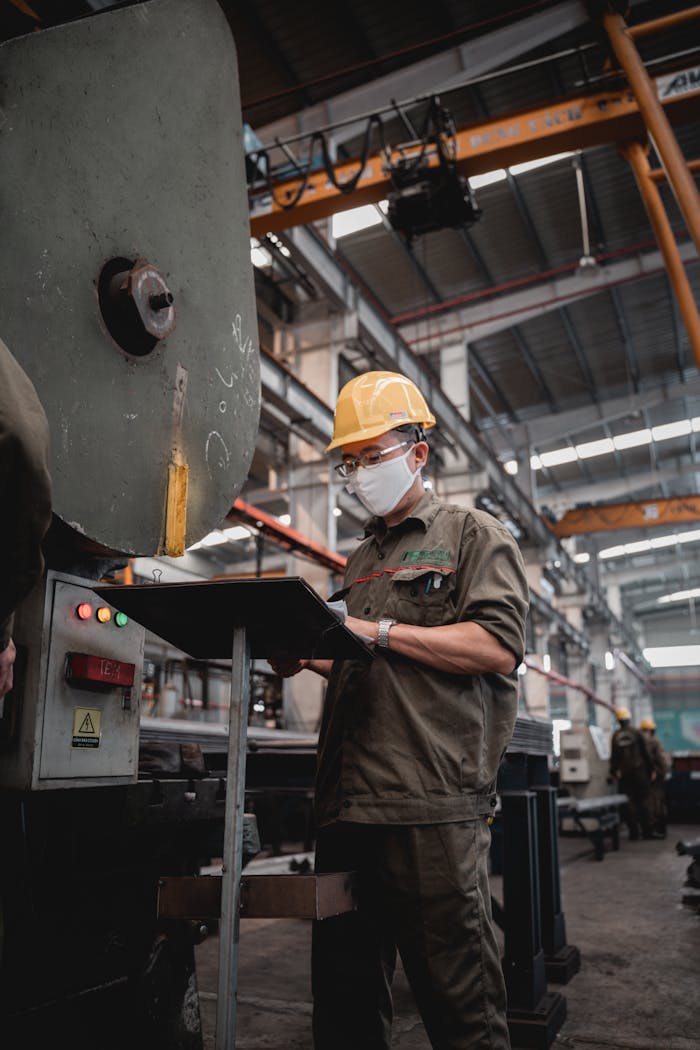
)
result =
(127, 295)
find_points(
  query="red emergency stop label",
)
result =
(86, 669)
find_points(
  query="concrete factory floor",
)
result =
(637, 988)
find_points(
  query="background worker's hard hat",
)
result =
(623, 714)
(375, 402)
(647, 723)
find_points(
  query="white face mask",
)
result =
(381, 488)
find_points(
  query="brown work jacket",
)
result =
(660, 758)
(25, 488)
(401, 742)
(629, 755)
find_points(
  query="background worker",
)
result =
(410, 744)
(25, 499)
(630, 765)
(661, 762)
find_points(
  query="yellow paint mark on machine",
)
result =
(87, 727)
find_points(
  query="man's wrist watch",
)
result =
(383, 628)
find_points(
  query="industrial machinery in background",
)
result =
(588, 804)
(175, 686)
(691, 848)
(584, 762)
(126, 294)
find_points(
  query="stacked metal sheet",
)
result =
(531, 736)
(213, 736)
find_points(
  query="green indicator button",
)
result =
(121, 619)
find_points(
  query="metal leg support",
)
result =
(534, 1015)
(233, 843)
(562, 960)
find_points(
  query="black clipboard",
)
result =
(284, 618)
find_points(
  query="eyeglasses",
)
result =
(349, 466)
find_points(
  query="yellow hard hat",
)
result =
(623, 714)
(647, 723)
(374, 402)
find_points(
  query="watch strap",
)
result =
(383, 628)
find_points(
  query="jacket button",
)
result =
(380, 554)
(414, 592)
(347, 803)
(367, 609)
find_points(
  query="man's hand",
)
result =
(288, 668)
(7, 659)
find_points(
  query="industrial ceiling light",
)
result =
(428, 196)
(673, 655)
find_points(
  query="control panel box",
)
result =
(72, 718)
(574, 766)
(584, 760)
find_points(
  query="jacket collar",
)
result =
(423, 513)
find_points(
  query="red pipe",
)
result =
(546, 302)
(561, 679)
(288, 538)
(521, 282)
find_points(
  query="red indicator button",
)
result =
(83, 668)
(84, 611)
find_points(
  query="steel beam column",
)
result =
(636, 156)
(658, 126)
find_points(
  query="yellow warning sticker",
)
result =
(87, 727)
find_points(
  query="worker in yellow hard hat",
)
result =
(373, 413)
(661, 762)
(631, 767)
(410, 744)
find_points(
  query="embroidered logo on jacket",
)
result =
(434, 557)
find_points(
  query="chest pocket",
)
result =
(421, 596)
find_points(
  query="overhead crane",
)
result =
(630, 116)
(513, 138)
(635, 514)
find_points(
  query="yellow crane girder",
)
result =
(513, 138)
(641, 514)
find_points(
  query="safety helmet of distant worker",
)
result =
(647, 723)
(375, 402)
(623, 714)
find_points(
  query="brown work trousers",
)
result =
(659, 810)
(422, 890)
(637, 813)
